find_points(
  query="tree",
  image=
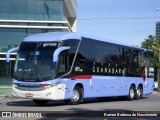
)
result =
(149, 42)
(153, 44)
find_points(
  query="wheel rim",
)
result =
(132, 93)
(139, 92)
(75, 95)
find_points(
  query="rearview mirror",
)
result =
(8, 53)
(58, 51)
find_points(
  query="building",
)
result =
(21, 18)
(158, 30)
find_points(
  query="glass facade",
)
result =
(158, 30)
(21, 18)
(31, 9)
(36, 10)
(10, 38)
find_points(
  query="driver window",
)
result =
(63, 63)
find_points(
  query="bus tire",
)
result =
(41, 102)
(131, 94)
(76, 97)
(139, 93)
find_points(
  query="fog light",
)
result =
(48, 94)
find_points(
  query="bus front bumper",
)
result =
(54, 93)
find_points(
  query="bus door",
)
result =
(148, 72)
(147, 75)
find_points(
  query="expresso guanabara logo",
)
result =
(49, 44)
(107, 69)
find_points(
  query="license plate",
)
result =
(29, 95)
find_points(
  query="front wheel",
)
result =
(131, 94)
(76, 97)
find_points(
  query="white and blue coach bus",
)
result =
(73, 66)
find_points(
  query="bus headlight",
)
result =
(14, 85)
(48, 86)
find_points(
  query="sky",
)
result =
(126, 21)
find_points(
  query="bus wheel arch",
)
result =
(131, 92)
(77, 95)
(82, 90)
(139, 92)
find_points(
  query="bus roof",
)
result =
(59, 36)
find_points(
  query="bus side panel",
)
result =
(119, 86)
(92, 88)
(135, 81)
(149, 86)
(101, 86)
(111, 86)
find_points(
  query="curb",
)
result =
(5, 86)
(6, 96)
(156, 92)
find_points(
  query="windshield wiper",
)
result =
(34, 69)
(24, 71)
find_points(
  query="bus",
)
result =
(73, 66)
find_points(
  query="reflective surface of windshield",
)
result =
(35, 62)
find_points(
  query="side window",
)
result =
(63, 62)
(113, 53)
(122, 57)
(66, 58)
(151, 59)
(81, 60)
(85, 56)
(87, 49)
(81, 64)
(127, 56)
(146, 59)
(134, 58)
(141, 60)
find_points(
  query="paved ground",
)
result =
(150, 103)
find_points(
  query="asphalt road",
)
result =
(97, 108)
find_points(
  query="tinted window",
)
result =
(66, 58)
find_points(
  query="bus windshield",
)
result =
(35, 61)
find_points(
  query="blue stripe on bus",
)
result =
(100, 86)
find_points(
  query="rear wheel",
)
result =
(76, 97)
(41, 102)
(131, 94)
(139, 93)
